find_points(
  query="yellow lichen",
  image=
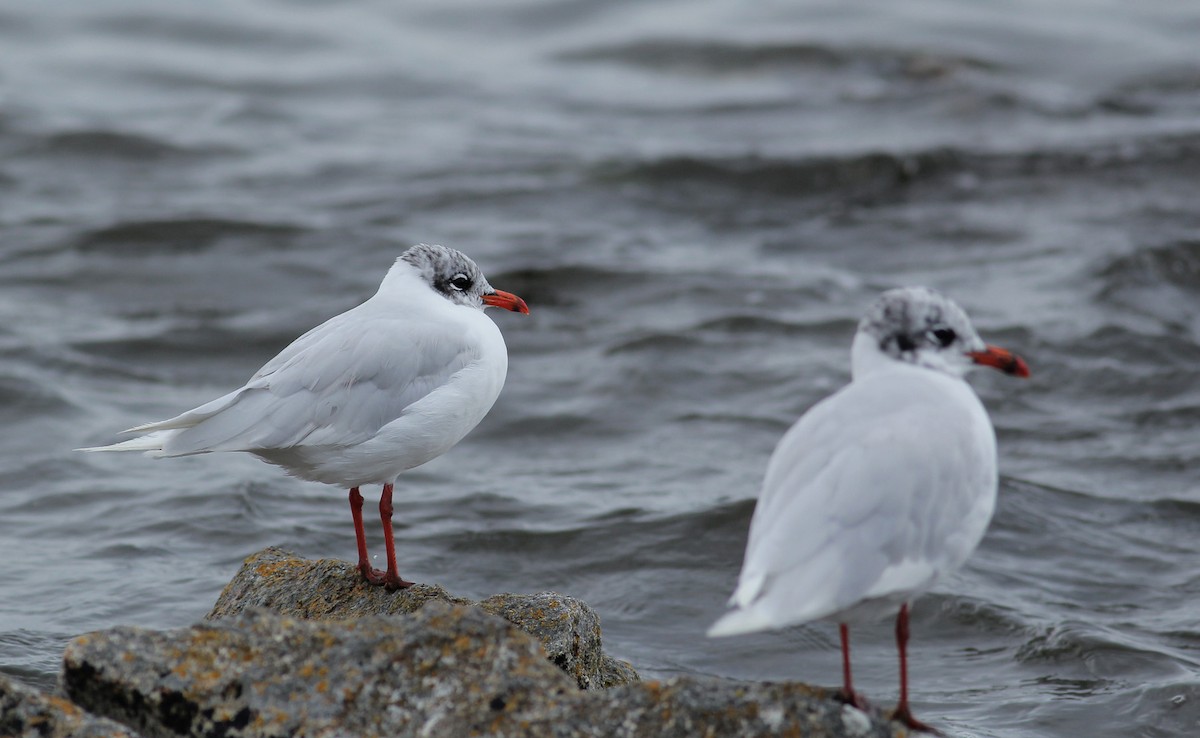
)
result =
(65, 706)
(270, 568)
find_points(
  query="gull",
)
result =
(378, 390)
(880, 489)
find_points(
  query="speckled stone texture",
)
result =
(568, 629)
(306, 648)
(685, 707)
(446, 670)
(328, 589)
(27, 713)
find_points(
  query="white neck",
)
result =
(400, 277)
(865, 356)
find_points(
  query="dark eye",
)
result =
(460, 282)
(945, 336)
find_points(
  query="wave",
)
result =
(879, 173)
(567, 284)
(22, 398)
(115, 145)
(1176, 264)
(869, 174)
(207, 32)
(722, 58)
(187, 235)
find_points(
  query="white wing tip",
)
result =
(152, 444)
(147, 427)
(739, 622)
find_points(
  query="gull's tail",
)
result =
(737, 622)
(747, 615)
(151, 443)
(156, 435)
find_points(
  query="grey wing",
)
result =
(856, 505)
(336, 385)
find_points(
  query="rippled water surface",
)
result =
(697, 200)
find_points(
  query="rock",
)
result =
(27, 713)
(614, 672)
(328, 589)
(445, 670)
(306, 648)
(568, 629)
(685, 707)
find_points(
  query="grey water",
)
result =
(697, 200)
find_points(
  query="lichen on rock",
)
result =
(261, 674)
(306, 648)
(445, 670)
(27, 713)
(278, 580)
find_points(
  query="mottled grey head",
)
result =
(454, 275)
(921, 326)
(450, 272)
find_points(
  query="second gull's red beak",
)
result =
(1002, 359)
(506, 300)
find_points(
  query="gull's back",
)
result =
(874, 493)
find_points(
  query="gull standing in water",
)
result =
(380, 389)
(880, 489)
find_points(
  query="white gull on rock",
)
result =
(368, 394)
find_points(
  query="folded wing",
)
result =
(336, 385)
(873, 493)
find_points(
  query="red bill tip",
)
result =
(1002, 359)
(506, 300)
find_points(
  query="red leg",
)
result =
(373, 576)
(902, 713)
(848, 695)
(391, 579)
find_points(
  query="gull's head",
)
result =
(921, 326)
(456, 277)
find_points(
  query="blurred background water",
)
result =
(697, 199)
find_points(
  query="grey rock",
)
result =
(686, 707)
(445, 670)
(568, 629)
(28, 713)
(614, 672)
(328, 589)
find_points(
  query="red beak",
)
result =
(1002, 359)
(506, 300)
